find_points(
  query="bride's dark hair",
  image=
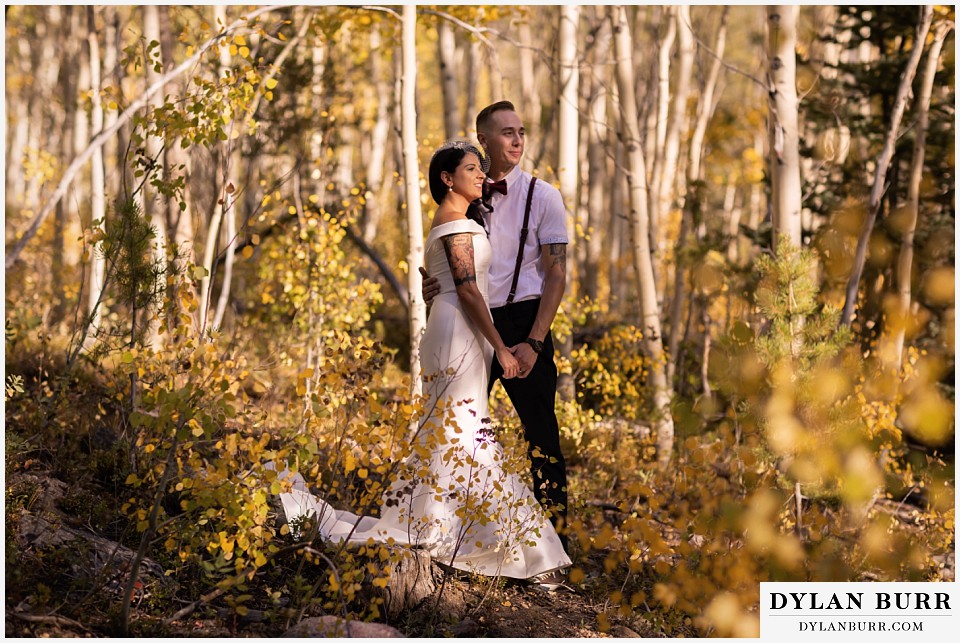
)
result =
(446, 159)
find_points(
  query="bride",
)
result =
(454, 496)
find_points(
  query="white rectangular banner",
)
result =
(856, 611)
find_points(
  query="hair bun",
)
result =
(466, 145)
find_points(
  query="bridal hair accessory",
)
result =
(467, 146)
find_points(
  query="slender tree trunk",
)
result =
(411, 181)
(152, 208)
(784, 133)
(98, 209)
(99, 139)
(693, 200)
(15, 176)
(177, 159)
(598, 216)
(883, 163)
(666, 191)
(472, 72)
(662, 112)
(528, 79)
(447, 55)
(568, 166)
(905, 260)
(378, 141)
(639, 225)
(69, 93)
(43, 118)
(112, 148)
(229, 192)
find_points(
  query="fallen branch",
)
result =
(50, 620)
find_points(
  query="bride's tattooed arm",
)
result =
(459, 250)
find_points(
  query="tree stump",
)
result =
(411, 581)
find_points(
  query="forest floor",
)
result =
(49, 536)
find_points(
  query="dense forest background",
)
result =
(214, 219)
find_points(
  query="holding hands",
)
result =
(511, 367)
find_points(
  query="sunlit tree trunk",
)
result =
(667, 190)
(639, 233)
(783, 119)
(411, 182)
(42, 119)
(692, 200)
(229, 193)
(151, 207)
(597, 185)
(883, 163)
(471, 72)
(98, 208)
(662, 118)
(568, 166)
(447, 55)
(528, 79)
(112, 149)
(378, 140)
(19, 97)
(176, 158)
(905, 260)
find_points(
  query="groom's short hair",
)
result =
(484, 116)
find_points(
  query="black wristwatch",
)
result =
(535, 344)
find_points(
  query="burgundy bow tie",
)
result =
(489, 187)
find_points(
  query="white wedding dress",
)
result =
(453, 497)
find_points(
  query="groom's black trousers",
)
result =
(534, 398)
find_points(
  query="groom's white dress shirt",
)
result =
(547, 225)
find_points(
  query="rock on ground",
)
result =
(333, 626)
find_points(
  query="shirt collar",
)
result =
(512, 177)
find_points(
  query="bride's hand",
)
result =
(511, 367)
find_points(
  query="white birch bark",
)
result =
(378, 141)
(229, 193)
(154, 150)
(411, 182)
(905, 259)
(447, 55)
(528, 78)
(98, 208)
(784, 134)
(639, 232)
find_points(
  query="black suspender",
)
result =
(523, 240)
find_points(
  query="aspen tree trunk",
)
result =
(344, 175)
(378, 141)
(568, 161)
(693, 182)
(784, 135)
(68, 92)
(597, 185)
(411, 182)
(123, 119)
(639, 233)
(98, 210)
(528, 79)
(883, 163)
(472, 73)
(154, 148)
(112, 148)
(905, 260)
(662, 118)
(229, 193)
(447, 55)
(15, 175)
(42, 118)
(177, 159)
(667, 189)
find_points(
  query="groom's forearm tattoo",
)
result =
(558, 255)
(459, 250)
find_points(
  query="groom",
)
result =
(527, 280)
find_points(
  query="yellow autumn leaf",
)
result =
(271, 83)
